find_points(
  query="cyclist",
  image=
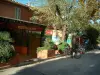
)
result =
(74, 45)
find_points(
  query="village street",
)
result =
(34, 34)
(89, 64)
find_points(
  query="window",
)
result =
(17, 13)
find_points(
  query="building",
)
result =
(15, 10)
(27, 36)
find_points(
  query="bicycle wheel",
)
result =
(78, 55)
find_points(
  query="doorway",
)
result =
(33, 43)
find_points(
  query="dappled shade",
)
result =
(92, 34)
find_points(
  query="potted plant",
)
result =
(46, 51)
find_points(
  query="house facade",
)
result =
(27, 36)
(15, 10)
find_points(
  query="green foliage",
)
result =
(98, 39)
(93, 34)
(6, 49)
(48, 45)
(5, 36)
(41, 15)
(62, 46)
(43, 48)
(65, 15)
(97, 27)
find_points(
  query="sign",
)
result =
(23, 27)
(56, 36)
(48, 32)
(30, 28)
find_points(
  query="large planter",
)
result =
(59, 52)
(21, 50)
(44, 54)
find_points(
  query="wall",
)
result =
(7, 9)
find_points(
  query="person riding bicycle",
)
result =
(74, 45)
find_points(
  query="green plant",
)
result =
(62, 46)
(93, 34)
(6, 49)
(5, 36)
(42, 48)
(48, 45)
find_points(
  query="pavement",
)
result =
(88, 64)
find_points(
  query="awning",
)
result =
(20, 24)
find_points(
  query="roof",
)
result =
(6, 19)
(16, 3)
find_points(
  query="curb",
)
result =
(42, 61)
(34, 62)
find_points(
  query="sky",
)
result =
(22, 1)
(35, 2)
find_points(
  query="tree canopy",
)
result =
(73, 14)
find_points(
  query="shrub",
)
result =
(6, 49)
(48, 45)
(62, 46)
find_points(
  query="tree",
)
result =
(59, 14)
(40, 15)
(84, 12)
(69, 16)
(12, 0)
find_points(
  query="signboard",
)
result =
(56, 36)
(33, 28)
(48, 32)
(23, 27)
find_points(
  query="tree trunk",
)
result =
(64, 33)
(55, 28)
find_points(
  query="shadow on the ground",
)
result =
(86, 65)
